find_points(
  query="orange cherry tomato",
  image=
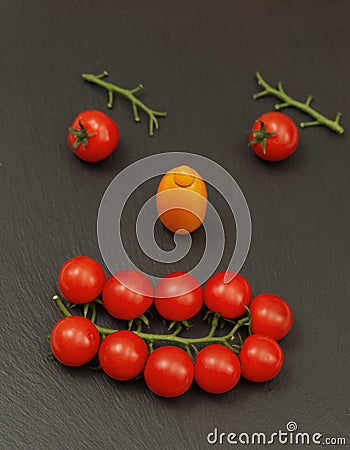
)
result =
(182, 200)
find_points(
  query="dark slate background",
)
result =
(197, 61)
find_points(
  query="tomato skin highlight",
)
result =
(178, 296)
(104, 137)
(123, 355)
(74, 341)
(169, 371)
(282, 145)
(127, 294)
(261, 358)
(81, 279)
(271, 315)
(217, 369)
(228, 299)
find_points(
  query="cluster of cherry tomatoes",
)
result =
(169, 370)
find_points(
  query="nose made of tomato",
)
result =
(182, 200)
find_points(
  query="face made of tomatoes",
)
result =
(182, 200)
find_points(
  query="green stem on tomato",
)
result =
(60, 305)
(93, 312)
(249, 323)
(151, 338)
(130, 95)
(188, 350)
(138, 325)
(288, 101)
(210, 338)
(177, 329)
(86, 309)
(214, 324)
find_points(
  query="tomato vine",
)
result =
(288, 101)
(188, 343)
(130, 95)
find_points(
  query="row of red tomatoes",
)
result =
(93, 136)
(178, 296)
(169, 371)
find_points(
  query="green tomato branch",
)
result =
(288, 101)
(136, 103)
(173, 337)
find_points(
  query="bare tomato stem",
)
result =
(288, 101)
(136, 103)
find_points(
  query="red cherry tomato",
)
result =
(271, 315)
(217, 369)
(274, 136)
(169, 371)
(261, 358)
(81, 279)
(127, 294)
(123, 355)
(74, 341)
(179, 296)
(228, 299)
(93, 136)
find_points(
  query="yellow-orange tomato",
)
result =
(182, 200)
